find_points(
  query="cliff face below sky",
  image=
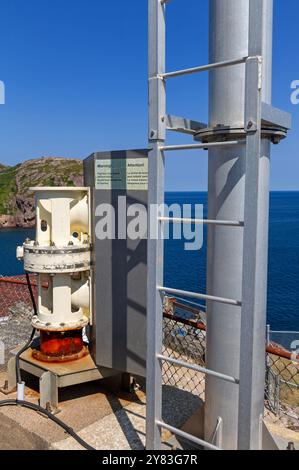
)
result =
(17, 202)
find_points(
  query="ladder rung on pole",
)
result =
(203, 68)
(178, 220)
(187, 436)
(167, 148)
(195, 295)
(226, 378)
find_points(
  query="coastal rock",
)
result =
(7, 221)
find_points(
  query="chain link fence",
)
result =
(282, 387)
(15, 313)
(185, 339)
(14, 294)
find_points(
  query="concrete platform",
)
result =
(103, 415)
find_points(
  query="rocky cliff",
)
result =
(17, 202)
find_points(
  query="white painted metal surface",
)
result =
(60, 255)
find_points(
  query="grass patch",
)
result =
(7, 191)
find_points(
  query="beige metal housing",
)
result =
(60, 255)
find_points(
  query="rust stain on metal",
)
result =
(71, 358)
(60, 346)
(278, 351)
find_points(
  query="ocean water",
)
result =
(186, 269)
(9, 240)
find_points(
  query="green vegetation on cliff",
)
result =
(8, 189)
(15, 198)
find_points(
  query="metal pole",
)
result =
(255, 248)
(229, 33)
(268, 332)
(157, 131)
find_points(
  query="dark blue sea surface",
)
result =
(186, 269)
(9, 240)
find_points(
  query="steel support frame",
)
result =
(251, 380)
(157, 134)
(253, 314)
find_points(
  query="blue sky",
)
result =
(75, 73)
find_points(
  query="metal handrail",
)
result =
(199, 325)
(14, 280)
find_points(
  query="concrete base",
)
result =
(276, 437)
(80, 406)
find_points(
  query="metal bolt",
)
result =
(276, 140)
(49, 407)
(152, 134)
(249, 125)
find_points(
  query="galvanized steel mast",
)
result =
(237, 259)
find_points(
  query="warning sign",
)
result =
(122, 173)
